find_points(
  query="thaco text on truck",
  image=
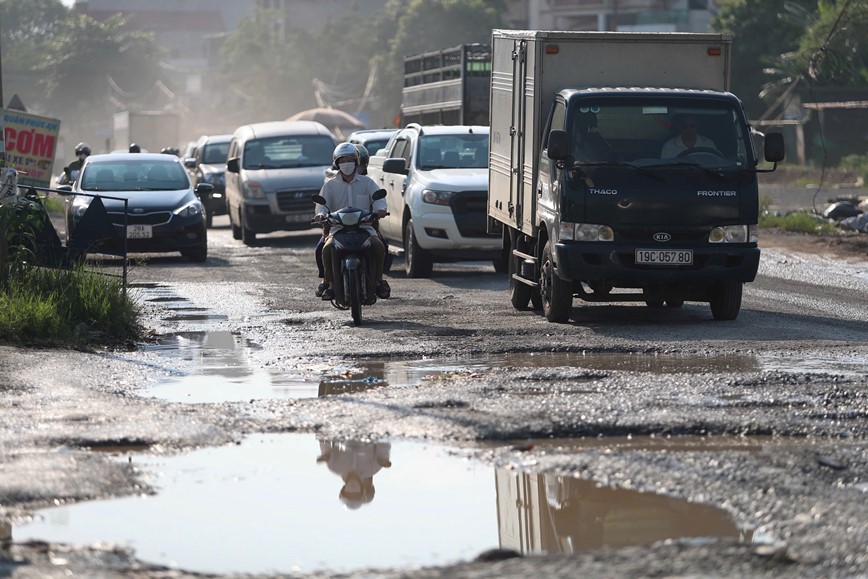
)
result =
(590, 199)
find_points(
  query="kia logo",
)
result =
(662, 237)
(138, 210)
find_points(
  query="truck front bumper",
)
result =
(615, 264)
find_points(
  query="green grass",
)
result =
(71, 308)
(800, 221)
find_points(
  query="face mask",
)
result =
(347, 168)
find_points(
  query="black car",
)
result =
(208, 165)
(163, 212)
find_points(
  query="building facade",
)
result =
(622, 15)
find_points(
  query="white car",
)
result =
(436, 179)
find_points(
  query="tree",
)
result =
(26, 29)
(834, 48)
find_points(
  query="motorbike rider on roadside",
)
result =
(349, 188)
(82, 152)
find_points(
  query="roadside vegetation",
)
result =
(41, 306)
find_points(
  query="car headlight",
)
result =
(253, 190)
(191, 209)
(80, 203)
(214, 178)
(585, 232)
(733, 234)
(437, 197)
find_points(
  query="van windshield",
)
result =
(288, 152)
(658, 132)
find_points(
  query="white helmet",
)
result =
(346, 150)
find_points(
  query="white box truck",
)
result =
(619, 160)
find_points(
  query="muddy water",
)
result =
(225, 372)
(283, 503)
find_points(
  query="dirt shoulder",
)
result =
(846, 246)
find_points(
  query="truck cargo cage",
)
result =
(447, 87)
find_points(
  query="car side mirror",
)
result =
(395, 165)
(233, 165)
(190, 163)
(558, 145)
(204, 188)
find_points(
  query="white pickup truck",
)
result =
(436, 179)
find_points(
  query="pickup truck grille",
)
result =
(470, 209)
(295, 201)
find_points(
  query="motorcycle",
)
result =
(354, 269)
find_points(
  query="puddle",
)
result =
(293, 503)
(225, 372)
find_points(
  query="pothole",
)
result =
(296, 503)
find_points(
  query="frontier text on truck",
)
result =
(621, 169)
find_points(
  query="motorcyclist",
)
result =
(71, 171)
(364, 157)
(349, 188)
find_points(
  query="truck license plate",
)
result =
(664, 256)
(140, 231)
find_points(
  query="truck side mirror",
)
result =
(395, 165)
(774, 147)
(232, 165)
(558, 145)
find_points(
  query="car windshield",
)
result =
(288, 152)
(462, 151)
(138, 175)
(215, 153)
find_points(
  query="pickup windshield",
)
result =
(461, 151)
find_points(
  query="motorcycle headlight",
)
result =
(437, 197)
(733, 234)
(191, 209)
(585, 232)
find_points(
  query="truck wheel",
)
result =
(557, 294)
(726, 300)
(418, 262)
(519, 293)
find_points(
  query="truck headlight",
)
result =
(733, 234)
(253, 190)
(586, 232)
(437, 197)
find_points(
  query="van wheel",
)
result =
(726, 300)
(418, 262)
(248, 237)
(557, 294)
(236, 230)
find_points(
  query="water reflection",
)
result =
(356, 462)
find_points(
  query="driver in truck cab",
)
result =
(688, 137)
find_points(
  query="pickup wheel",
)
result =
(726, 300)
(417, 261)
(557, 294)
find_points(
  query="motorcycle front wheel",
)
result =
(354, 289)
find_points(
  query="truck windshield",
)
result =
(659, 133)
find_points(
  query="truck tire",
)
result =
(557, 294)
(726, 300)
(520, 294)
(417, 261)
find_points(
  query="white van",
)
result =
(272, 171)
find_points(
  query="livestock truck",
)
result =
(447, 87)
(150, 130)
(622, 169)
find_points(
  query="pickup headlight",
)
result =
(437, 197)
(733, 234)
(191, 209)
(253, 190)
(585, 232)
